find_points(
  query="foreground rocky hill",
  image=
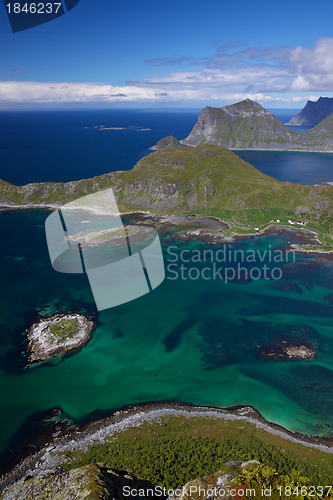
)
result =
(313, 112)
(235, 480)
(247, 125)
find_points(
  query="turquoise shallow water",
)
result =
(190, 340)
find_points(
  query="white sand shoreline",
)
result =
(97, 432)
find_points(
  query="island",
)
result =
(57, 335)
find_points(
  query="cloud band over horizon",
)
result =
(280, 75)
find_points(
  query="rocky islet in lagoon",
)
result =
(57, 335)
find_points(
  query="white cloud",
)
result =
(64, 92)
(314, 67)
(308, 98)
(271, 74)
(71, 92)
(258, 97)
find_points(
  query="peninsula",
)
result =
(205, 181)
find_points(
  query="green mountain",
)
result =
(313, 112)
(179, 180)
(167, 142)
(206, 180)
(247, 125)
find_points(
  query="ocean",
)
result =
(62, 146)
(190, 340)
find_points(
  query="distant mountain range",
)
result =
(247, 125)
(313, 112)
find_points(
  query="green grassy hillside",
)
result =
(174, 450)
(207, 180)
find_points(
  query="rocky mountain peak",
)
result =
(313, 112)
(246, 108)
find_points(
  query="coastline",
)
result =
(210, 237)
(310, 236)
(120, 420)
(7, 208)
(257, 149)
(285, 150)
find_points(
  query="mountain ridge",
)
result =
(246, 125)
(173, 180)
(204, 180)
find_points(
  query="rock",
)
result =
(288, 351)
(93, 482)
(58, 334)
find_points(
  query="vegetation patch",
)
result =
(174, 450)
(63, 330)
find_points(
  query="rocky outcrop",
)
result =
(98, 482)
(287, 350)
(247, 125)
(220, 485)
(313, 112)
(59, 334)
(169, 142)
(90, 482)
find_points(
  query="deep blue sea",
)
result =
(189, 340)
(63, 146)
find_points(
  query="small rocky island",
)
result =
(288, 350)
(58, 334)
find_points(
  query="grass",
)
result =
(64, 329)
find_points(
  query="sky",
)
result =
(176, 54)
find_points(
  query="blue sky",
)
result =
(110, 53)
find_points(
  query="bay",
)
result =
(191, 340)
